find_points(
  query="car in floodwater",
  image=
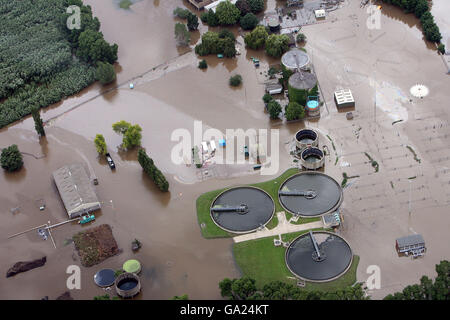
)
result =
(111, 163)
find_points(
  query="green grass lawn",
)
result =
(125, 4)
(262, 261)
(211, 230)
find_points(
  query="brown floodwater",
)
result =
(171, 93)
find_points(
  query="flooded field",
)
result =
(379, 66)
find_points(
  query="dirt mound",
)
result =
(23, 266)
(95, 245)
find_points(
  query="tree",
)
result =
(243, 288)
(228, 47)
(227, 13)
(256, 5)
(213, 19)
(301, 37)
(100, 144)
(11, 158)
(421, 8)
(225, 287)
(225, 33)
(243, 7)
(204, 17)
(152, 171)
(131, 133)
(192, 22)
(235, 80)
(276, 45)
(38, 123)
(257, 38)
(105, 72)
(202, 64)
(267, 98)
(181, 13)
(132, 137)
(121, 127)
(92, 47)
(249, 21)
(274, 109)
(182, 35)
(294, 111)
(427, 290)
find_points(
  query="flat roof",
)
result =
(75, 190)
(344, 96)
(410, 240)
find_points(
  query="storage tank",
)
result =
(128, 285)
(306, 138)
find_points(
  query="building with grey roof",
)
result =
(75, 190)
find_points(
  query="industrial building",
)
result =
(295, 59)
(413, 245)
(75, 190)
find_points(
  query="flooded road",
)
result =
(171, 93)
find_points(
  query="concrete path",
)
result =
(283, 227)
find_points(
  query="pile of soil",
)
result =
(95, 245)
(23, 266)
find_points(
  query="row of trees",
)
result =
(275, 44)
(229, 14)
(245, 289)
(421, 10)
(152, 171)
(427, 289)
(217, 42)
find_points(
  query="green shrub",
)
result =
(213, 19)
(182, 34)
(276, 45)
(11, 158)
(441, 48)
(249, 21)
(181, 13)
(235, 80)
(301, 37)
(243, 7)
(192, 22)
(100, 144)
(38, 123)
(227, 13)
(225, 33)
(294, 111)
(256, 5)
(257, 38)
(202, 64)
(105, 73)
(267, 98)
(125, 4)
(274, 109)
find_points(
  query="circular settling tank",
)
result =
(242, 209)
(132, 266)
(295, 194)
(325, 260)
(294, 59)
(312, 158)
(105, 278)
(128, 285)
(305, 138)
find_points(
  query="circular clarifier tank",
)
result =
(312, 158)
(242, 209)
(310, 194)
(325, 260)
(305, 138)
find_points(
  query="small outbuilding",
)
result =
(320, 14)
(75, 190)
(344, 98)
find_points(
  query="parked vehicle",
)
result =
(111, 163)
